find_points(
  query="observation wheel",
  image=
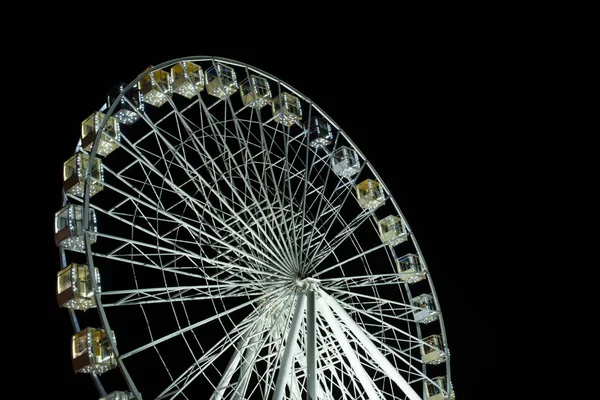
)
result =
(221, 237)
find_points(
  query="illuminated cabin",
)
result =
(187, 78)
(74, 287)
(345, 162)
(432, 350)
(437, 389)
(91, 351)
(286, 109)
(221, 81)
(392, 230)
(110, 140)
(118, 395)
(68, 227)
(410, 268)
(369, 194)
(319, 132)
(127, 112)
(426, 311)
(155, 87)
(74, 173)
(255, 91)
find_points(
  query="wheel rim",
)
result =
(220, 217)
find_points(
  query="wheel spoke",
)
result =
(194, 326)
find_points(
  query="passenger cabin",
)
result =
(425, 311)
(255, 92)
(369, 194)
(68, 227)
(392, 230)
(155, 87)
(129, 106)
(320, 134)
(110, 140)
(410, 268)
(91, 351)
(432, 350)
(187, 79)
(74, 289)
(75, 170)
(437, 389)
(286, 109)
(345, 162)
(221, 81)
(118, 395)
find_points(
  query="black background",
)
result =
(420, 107)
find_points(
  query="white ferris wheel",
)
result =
(221, 237)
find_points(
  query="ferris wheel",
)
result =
(221, 237)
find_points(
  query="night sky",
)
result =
(418, 113)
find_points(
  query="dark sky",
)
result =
(418, 114)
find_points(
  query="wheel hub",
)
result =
(308, 284)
